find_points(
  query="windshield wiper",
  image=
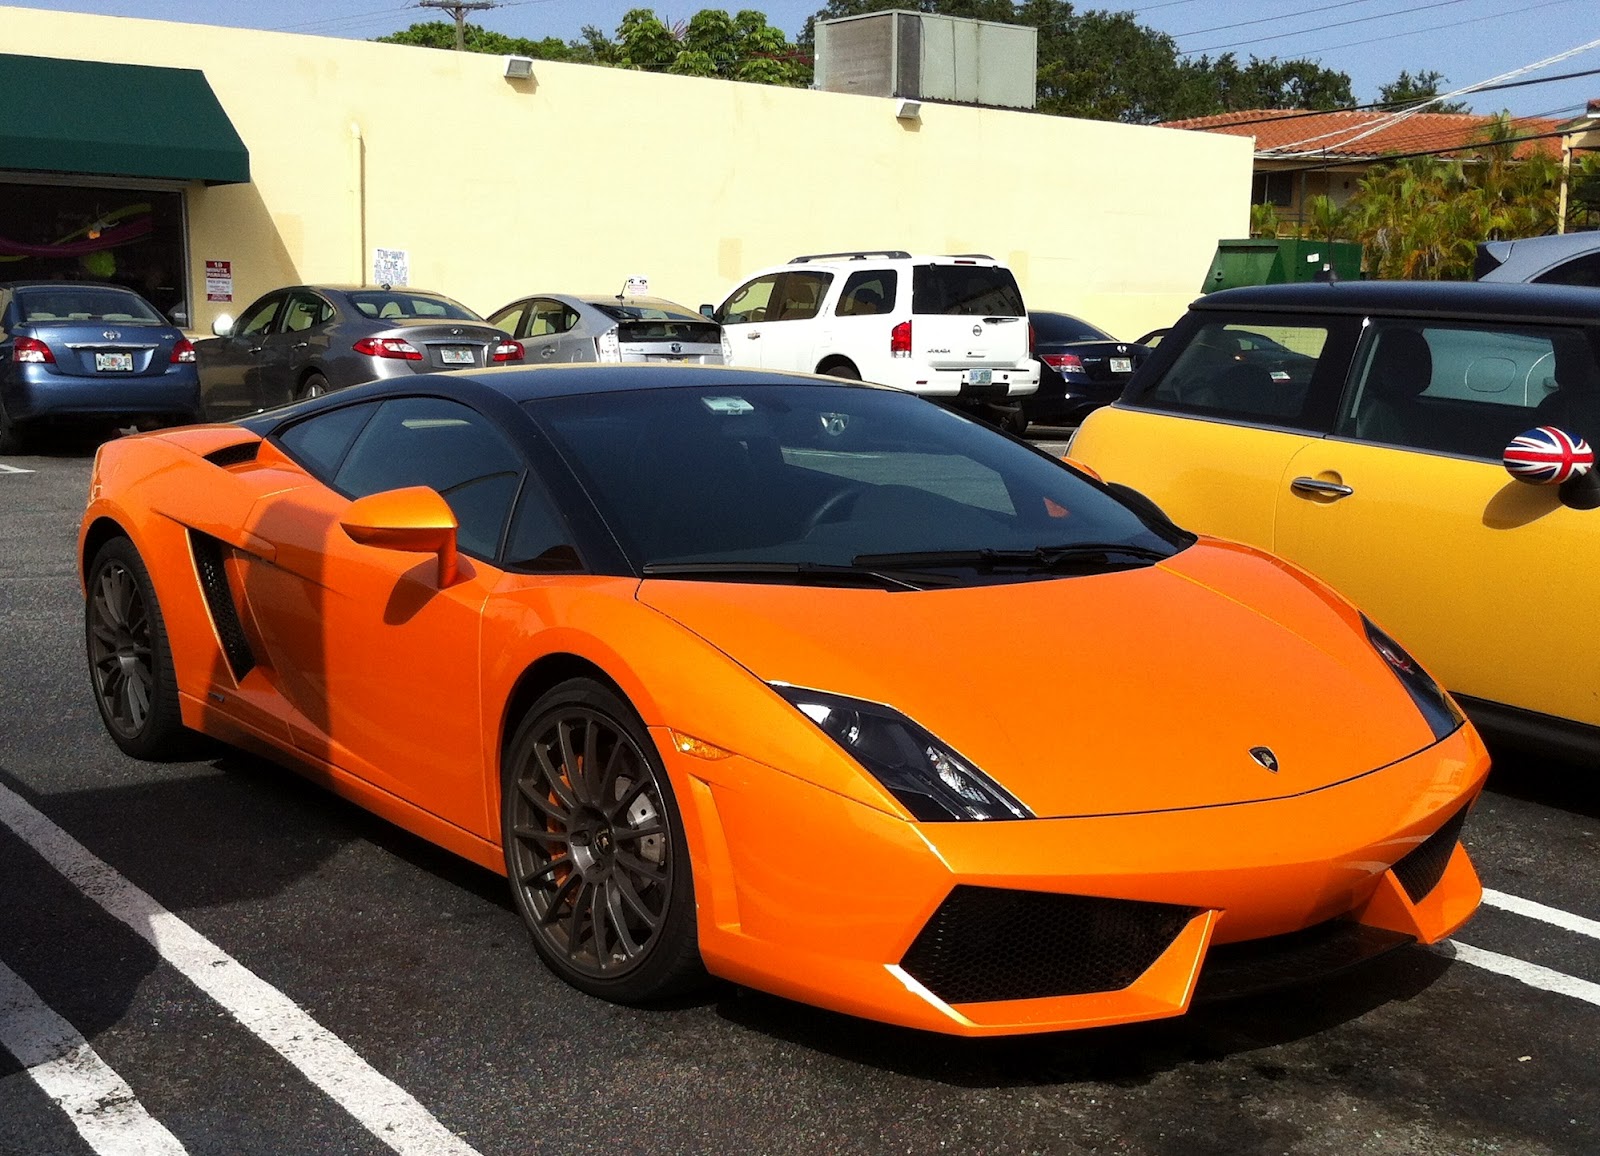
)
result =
(1101, 554)
(819, 572)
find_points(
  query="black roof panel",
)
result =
(1442, 299)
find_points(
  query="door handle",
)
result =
(1321, 488)
(547, 351)
(301, 345)
(751, 336)
(255, 349)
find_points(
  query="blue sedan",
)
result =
(77, 351)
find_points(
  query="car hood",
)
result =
(1117, 693)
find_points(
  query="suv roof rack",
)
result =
(978, 256)
(854, 255)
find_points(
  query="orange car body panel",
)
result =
(1093, 699)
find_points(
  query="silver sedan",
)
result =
(305, 340)
(558, 327)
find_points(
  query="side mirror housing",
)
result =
(1552, 456)
(708, 311)
(413, 519)
(223, 325)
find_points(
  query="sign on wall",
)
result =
(391, 267)
(219, 280)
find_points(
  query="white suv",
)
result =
(950, 327)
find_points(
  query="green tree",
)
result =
(442, 34)
(1408, 89)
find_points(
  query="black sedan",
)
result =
(1081, 368)
(305, 340)
(74, 351)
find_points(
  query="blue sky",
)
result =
(1372, 40)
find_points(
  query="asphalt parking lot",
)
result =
(218, 957)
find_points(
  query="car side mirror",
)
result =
(413, 519)
(1081, 468)
(709, 311)
(1551, 456)
(223, 325)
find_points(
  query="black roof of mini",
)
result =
(1441, 299)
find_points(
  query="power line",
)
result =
(1270, 19)
(1436, 27)
(1325, 27)
(459, 10)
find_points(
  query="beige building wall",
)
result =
(582, 176)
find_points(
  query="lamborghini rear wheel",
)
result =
(595, 850)
(130, 662)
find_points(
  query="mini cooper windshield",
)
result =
(836, 484)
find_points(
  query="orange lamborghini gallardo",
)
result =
(811, 685)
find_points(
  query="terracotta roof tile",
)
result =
(1289, 132)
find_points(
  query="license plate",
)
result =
(979, 376)
(113, 362)
(455, 356)
(1122, 365)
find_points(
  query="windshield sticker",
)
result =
(727, 405)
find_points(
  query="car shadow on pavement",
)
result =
(1126, 1056)
(1535, 777)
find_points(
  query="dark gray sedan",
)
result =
(305, 340)
(558, 327)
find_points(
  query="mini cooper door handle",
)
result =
(301, 345)
(1321, 488)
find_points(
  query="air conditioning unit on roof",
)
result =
(920, 56)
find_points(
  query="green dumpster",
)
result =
(1264, 261)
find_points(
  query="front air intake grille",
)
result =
(1261, 965)
(989, 943)
(1420, 871)
(219, 599)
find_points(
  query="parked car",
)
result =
(305, 340)
(1081, 368)
(1561, 259)
(73, 351)
(558, 327)
(950, 327)
(1375, 461)
(637, 636)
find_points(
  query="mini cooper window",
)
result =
(1257, 371)
(1469, 389)
(427, 441)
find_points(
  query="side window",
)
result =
(749, 302)
(868, 293)
(303, 311)
(258, 321)
(539, 541)
(799, 297)
(428, 441)
(1469, 389)
(550, 318)
(1583, 270)
(319, 443)
(1254, 371)
(510, 318)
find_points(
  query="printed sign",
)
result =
(636, 287)
(219, 280)
(391, 267)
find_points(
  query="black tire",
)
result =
(12, 439)
(130, 663)
(594, 848)
(1015, 421)
(843, 370)
(315, 385)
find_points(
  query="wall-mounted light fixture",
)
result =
(908, 110)
(519, 67)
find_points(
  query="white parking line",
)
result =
(385, 1109)
(99, 1102)
(5, 469)
(1552, 915)
(1532, 974)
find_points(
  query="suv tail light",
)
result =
(1033, 338)
(393, 347)
(183, 352)
(1065, 362)
(32, 351)
(900, 340)
(507, 351)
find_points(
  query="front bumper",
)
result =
(37, 392)
(821, 899)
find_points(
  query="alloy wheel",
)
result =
(120, 652)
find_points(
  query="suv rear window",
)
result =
(965, 291)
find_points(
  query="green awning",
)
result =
(121, 120)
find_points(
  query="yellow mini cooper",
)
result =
(1383, 435)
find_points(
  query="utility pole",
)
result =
(459, 9)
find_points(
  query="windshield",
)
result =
(645, 309)
(398, 305)
(1060, 327)
(85, 303)
(820, 475)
